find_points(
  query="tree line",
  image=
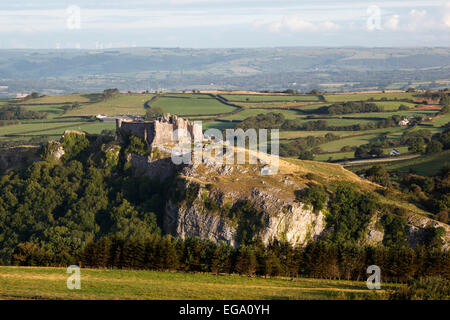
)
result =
(275, 120)
(320, 259)
(350, 107)
(10, 112)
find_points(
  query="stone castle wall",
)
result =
(161, 131)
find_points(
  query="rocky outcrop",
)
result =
(209, 196)
(56, 149)
(416, 228)
(283, 220)
(191, 221)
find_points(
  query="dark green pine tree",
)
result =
(246, 261)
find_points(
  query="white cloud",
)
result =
(418, 20)
(295, 23)
(393, 22)
(446, 17)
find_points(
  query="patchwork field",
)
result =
(50, 283)
(215, 113)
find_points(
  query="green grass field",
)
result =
(50, 283)
(277, 105)
(76, 97)
(366, 96)
(196, 105)
(336, 145)
(393, 105)
(52, 111)
(35, 127)
(390, 114)
(269, 98)
(302, 134)
(442, 120)
(342, 122)
(288, 114)
(424, 165)
(218, 125)
(117, 105)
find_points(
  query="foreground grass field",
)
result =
(50, 283)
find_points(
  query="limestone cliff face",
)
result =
(277, 219)
(183, 221)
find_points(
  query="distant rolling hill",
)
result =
(331, 69)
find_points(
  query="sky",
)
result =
(102, 24)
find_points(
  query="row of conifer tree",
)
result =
(318, 259)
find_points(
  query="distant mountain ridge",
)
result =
(135, 69)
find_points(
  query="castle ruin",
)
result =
(163, 130)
